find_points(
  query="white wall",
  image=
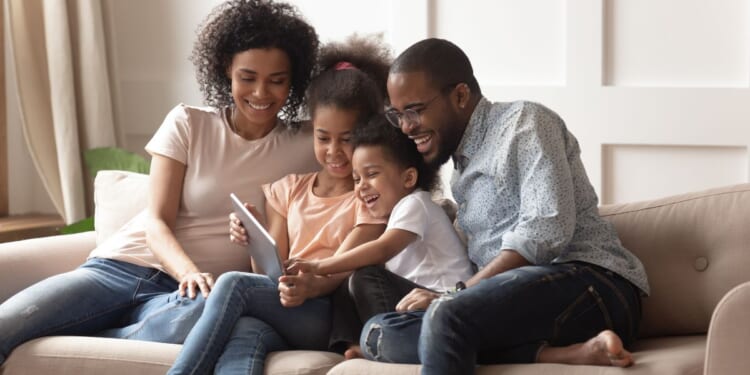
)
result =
(656, 91)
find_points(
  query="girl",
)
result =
(308, 215)
(253, 60)
(419, 247)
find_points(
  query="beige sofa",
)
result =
(696, 249)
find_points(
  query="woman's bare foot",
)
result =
(354, 351)
(605, 349)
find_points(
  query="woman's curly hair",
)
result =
(239, 25)
(359, 86)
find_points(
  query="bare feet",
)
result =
(354, 351)
(605, 349)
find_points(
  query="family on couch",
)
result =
(553, 283)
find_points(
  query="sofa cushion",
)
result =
(695, 247)
(63, 355)
(663, 356)
(90, 355)
(23, 263)
(301, 362)
(118, 196)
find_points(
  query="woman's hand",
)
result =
(417, 299)
(296, 265)
(202, 280)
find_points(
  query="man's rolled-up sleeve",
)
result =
(546, 220)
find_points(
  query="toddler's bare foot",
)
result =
(605, 349)
(354, 351)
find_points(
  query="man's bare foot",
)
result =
(605, 349)
(354, 351)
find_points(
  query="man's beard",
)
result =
(449, 140)
(442, 156)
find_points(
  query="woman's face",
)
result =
(333, 130)
(261, 80)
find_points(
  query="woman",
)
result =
(253, 59)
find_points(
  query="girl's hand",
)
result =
(237, 233)
(294, 290)
(295, 265)
(417, 299)
(202, 280)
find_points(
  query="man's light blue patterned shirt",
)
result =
(520, 184)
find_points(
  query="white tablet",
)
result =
(261, 246)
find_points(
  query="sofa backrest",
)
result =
(695, 247)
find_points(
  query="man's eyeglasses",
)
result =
(411, 116)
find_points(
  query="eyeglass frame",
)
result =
(415, 114)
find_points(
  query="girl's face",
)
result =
(261, 80)
(333, 128)
(379, 182)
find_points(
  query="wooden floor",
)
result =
(20, 227)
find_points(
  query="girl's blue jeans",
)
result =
(243, 321)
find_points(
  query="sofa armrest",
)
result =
(22, 263)
(726, 345)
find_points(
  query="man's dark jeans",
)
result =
(508, 318)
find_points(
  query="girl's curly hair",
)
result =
(360, 84)
(239, 25)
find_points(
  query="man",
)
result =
(554, 283)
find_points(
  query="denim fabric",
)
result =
(392, 337)
(97, 296)
(508, 318)
(243, 321)
(376, 290)
(369, 291)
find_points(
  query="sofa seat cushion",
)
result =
(69, 355)
(301, 362)
(664, 356)
(90, 355)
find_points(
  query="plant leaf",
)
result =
(109, 158)
(84, 225)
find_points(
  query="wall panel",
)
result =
(677, 43)
(637, 172)
(510, 42)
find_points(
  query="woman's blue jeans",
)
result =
(507, 318)
(103, 297)
(243, 321)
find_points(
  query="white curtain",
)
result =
(63, 87)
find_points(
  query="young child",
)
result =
(420, 248)
(310, 215)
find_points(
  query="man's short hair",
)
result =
(442, 61)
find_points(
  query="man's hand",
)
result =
(295, 289)
(508, 259)
(417, 299)
(201, 280)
